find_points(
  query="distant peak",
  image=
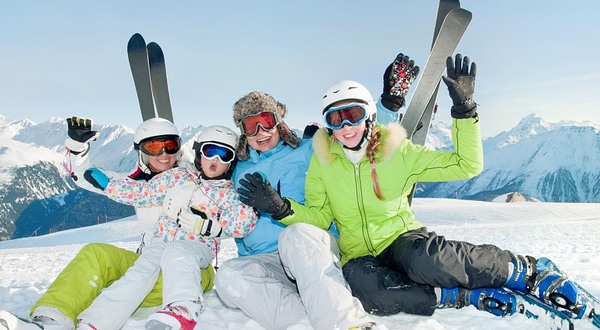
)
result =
(532, 124)
(56, 120)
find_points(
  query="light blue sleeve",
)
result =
(385, 116)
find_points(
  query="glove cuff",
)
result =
(76, 147)
(286, 210)
(466, 109)
(391, 102)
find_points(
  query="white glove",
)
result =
(178, 199)
(195, 221)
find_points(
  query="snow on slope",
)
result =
(567, 233)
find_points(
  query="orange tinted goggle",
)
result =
(157, 147)
(266, 119)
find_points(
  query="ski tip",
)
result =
(154, 45)
(155, 53)
(460, 14)
(135, 41)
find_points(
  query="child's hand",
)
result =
(195, 221)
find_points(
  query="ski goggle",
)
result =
(158, 146)
(211, 150)
(351, 114)
(266, 119)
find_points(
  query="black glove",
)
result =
(80, 129)
(397, 79)
(310, 130)
(259, 194)
(461, 85)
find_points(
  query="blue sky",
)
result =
(64, 58)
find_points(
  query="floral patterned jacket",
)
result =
(217, 199)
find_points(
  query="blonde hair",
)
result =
(373, 146)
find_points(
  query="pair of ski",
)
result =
(451, 23)
(147, 64)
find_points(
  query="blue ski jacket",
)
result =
(285, 167)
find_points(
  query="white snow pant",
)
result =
(262, 285)
(181, 265)
(181, 262)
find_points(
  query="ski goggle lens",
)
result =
(352, 114)
(157, 147)
(267, 120)
(225, 154)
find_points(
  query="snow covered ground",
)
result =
(566, 233)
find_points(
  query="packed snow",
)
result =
(566, 233)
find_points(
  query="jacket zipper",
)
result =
(361, 210)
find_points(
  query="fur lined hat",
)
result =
(255, 103)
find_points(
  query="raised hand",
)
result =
(397, 79)
(461, 86)
(80, 129)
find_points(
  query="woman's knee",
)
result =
(230, 280)
(304, 237)
(298, 231)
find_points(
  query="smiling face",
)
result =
(349, 135)
(212, 168)
(264, 140)
(161, 162)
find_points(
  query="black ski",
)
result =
(420, 136)
(160, 86)
(138, 61)
(450, 33)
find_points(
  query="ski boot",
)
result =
(549, 286)
(175, 316)
(493, 300)
(9, 321)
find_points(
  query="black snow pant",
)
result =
(402, 277)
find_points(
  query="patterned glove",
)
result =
(397, 79)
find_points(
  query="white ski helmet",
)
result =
(351, 91)
(219, 135)
(153, 128)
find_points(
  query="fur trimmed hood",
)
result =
(255, 103)
(392, 135)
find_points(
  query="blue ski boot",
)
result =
(549, 286)
(493, 300)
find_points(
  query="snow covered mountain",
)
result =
(558, 162)
(36, 194)
(552, 162)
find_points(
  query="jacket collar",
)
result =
(255, 156)
(392, 135)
